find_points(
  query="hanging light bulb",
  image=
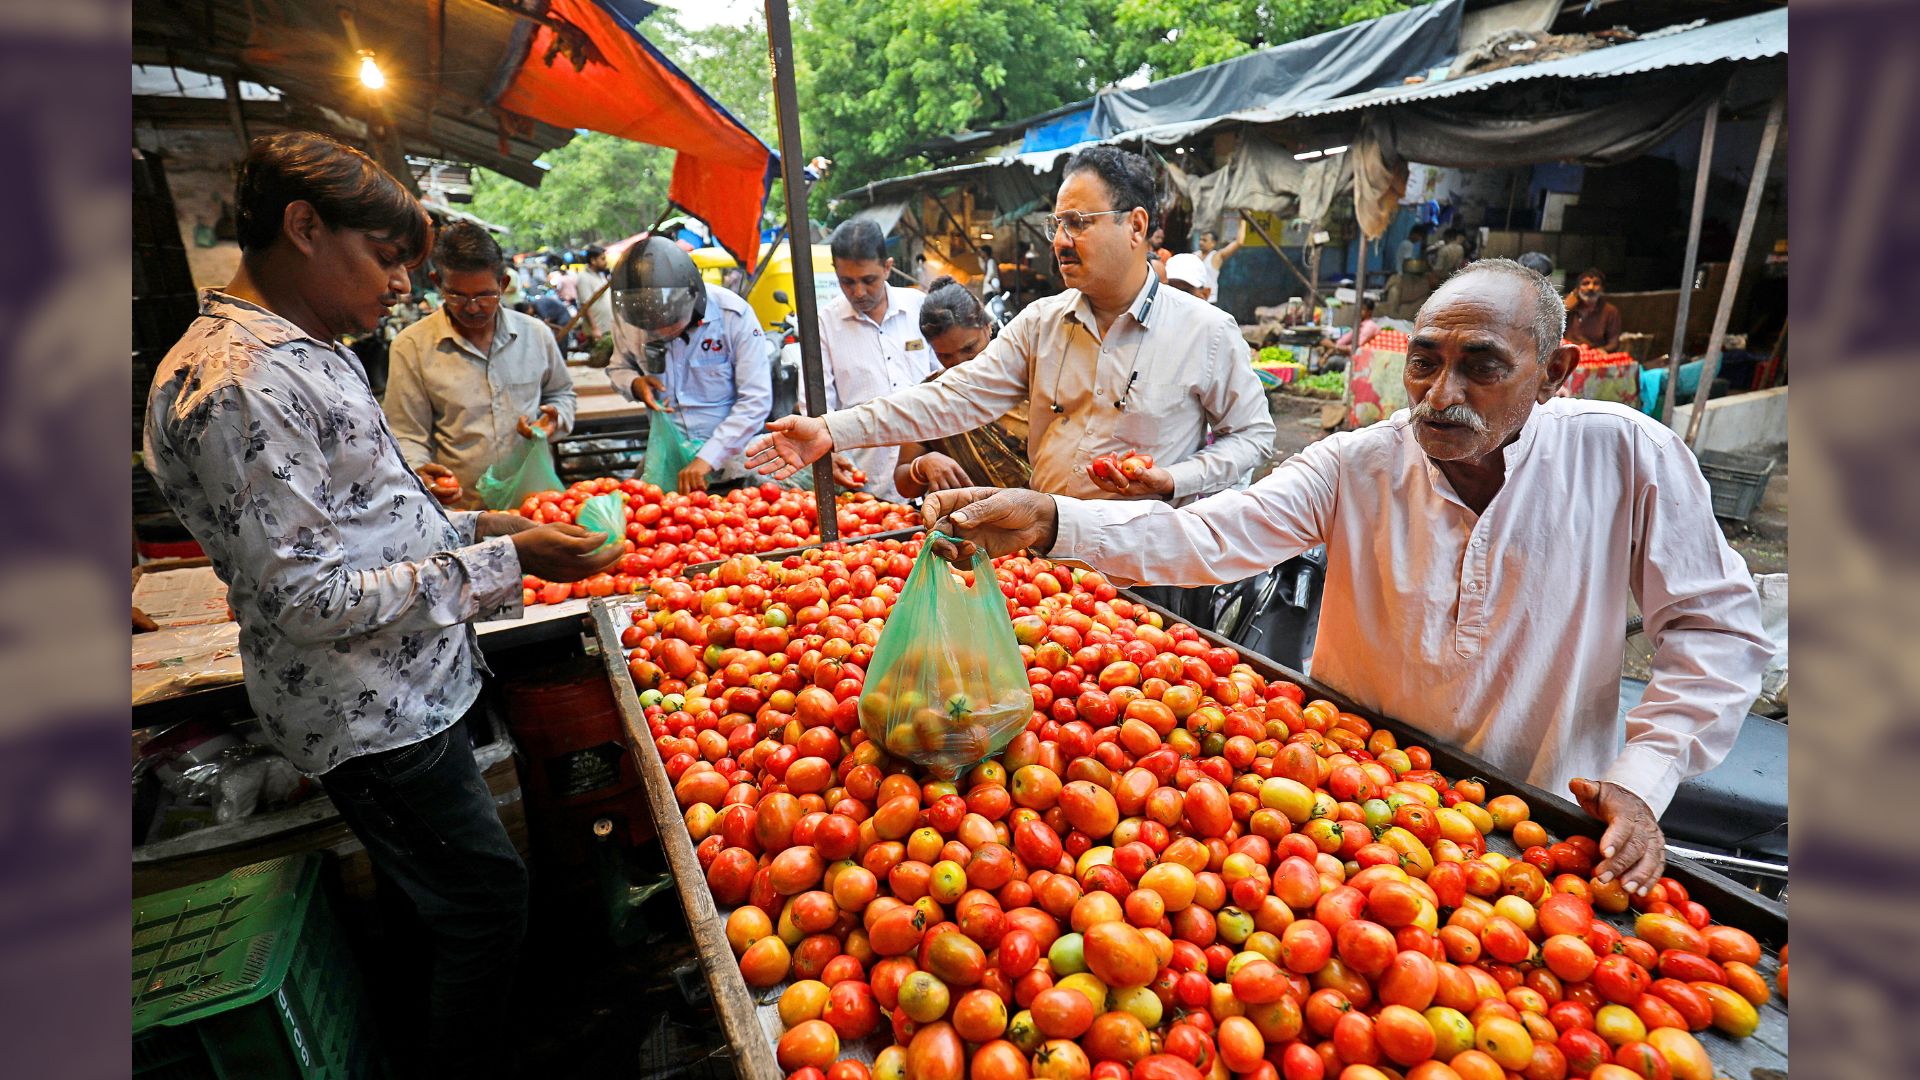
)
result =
(370, 74)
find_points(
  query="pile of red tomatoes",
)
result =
(667, 532)
(1178, 871)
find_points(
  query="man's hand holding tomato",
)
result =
(441, 482)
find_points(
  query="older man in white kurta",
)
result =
(1481, 548)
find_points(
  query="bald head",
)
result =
(1547, 318)
(1485, 349)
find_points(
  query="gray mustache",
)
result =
(1452, 414)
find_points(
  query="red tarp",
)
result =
(628, 89)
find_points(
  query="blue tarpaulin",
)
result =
(1070, 130)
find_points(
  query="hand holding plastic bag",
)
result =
(668, 452)
(528, 470)
(946, 688)
(605, 513)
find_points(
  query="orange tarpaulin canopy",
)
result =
(597, 72)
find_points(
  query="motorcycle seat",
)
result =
(1738, 805)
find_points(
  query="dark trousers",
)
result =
(429, 825)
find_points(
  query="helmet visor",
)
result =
(654, 310)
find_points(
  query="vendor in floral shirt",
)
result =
(353, 588)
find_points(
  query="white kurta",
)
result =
(1502, 632)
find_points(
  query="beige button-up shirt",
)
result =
(448, 403)
(1176, 362)
(862, 360)
(1502, 632)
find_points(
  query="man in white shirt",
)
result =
(594, 294)
(870, 341)
(1214, 258)
(1118, 362)
(1480, 551)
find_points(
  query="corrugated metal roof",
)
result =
(1755, 37)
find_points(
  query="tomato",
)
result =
(811, 1043)
(1061, 1059)
(1117, 1036)
(979, 1016)
(1061, 1013)
(1619, 979)
(998, 1060)
(1165, 1067)
(852, 1010)
(936, 1053)
(1404, 1035)
(1410, 981)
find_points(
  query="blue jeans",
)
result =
(430, 827)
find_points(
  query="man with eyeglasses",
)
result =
(469, 381)
(1117, 362)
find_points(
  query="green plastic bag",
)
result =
(946, 688)
(668, 451)
(528, 470)
(605, 513)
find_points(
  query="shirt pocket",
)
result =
(709, 377)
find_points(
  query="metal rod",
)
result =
(786, 108)
(1701, 175)
(1732, 862)
(1762, 159)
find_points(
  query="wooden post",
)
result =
(1744, 236)
(792, 163)
(1312, 292)
(234, 114)
(1701, 176)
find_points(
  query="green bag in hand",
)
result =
(605, 513)
(528, 470)
(946, 688)
(668, 451)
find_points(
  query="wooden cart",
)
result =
(752, 1023)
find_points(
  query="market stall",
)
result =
(758, 963)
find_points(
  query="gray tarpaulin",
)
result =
(1609, 123)
(1325, 179)
(1260, 175)
(1377, 52)
(886, 215)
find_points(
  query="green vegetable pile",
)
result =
(1274, 354)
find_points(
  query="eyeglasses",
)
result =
(484, 300)
(1074, 223)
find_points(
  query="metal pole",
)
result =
(792, 161)
(760, 268)
(1701, 176)
(1748, 214)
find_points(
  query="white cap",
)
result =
(1187, 268)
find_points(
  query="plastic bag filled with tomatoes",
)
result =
(668, 451)
(946, 688)
(605, 513)
(526, 470)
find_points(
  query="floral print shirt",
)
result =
(353, 588)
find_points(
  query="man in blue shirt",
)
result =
(694, 353)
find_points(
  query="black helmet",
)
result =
(656, 287)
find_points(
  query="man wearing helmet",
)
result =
(693, 352)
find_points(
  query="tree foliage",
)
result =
(1168, 37)
(878, 77)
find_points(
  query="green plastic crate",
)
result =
(248, 976)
